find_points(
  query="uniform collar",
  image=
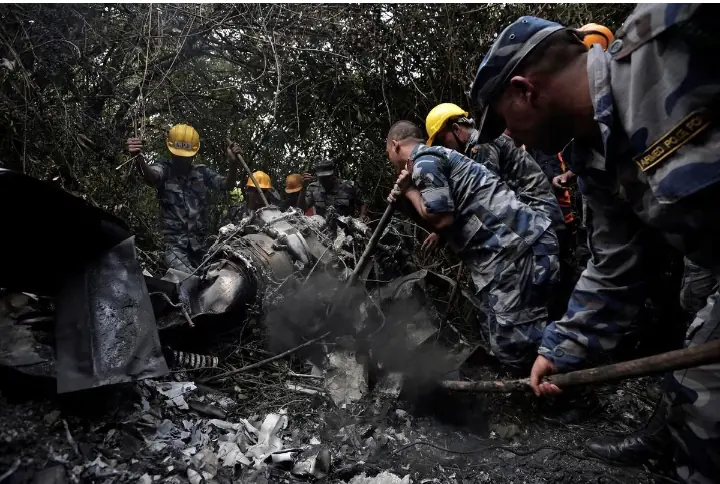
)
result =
(598, 69)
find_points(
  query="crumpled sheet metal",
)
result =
(317, 465)
(346, 380)
(269, 440)
(174, 392)
(105, 325)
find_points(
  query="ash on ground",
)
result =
(279, 424)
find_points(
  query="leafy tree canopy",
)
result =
(291, 83)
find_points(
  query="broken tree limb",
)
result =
(672, 360)
(267, 360)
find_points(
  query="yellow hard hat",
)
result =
(262, 178)
(183, 140)
(236, 196)
(596, 34)
(293, 183)
(439, 115)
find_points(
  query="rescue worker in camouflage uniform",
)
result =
(247, 202)
(183, 189)
(293, 191)
(509, 248)
(648, 106)
(449, 125)
(330, 191)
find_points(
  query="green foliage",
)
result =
(291, 83)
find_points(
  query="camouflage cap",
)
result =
(324, 168)
(511, 47)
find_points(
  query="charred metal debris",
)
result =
(257, 367)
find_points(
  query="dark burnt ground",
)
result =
(432, 436)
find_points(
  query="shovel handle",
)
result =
(691, 357)
(372, 245)
(240, 159)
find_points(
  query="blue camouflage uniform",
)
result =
(184, 211)
(508, 247)
(520, 172)
(698, 284)
(655, 94)
(344, 196)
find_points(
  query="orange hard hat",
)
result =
(293, 183)
(596, 34)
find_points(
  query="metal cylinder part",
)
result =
(183, 359)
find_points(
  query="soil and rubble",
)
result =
(352, 399)
(280, 424)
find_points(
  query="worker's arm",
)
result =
(436, 221)
(404, 206)
(232, 153)
(428, 191)
(607, 296)
(306, 200)
(360, 202)
(151, 174)
(215, 180)
(363, 211)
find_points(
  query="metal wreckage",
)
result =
(76, 303)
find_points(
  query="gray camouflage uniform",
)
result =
(510, 250)
(655, 94)
(520, 172)
(183, 212)
(344, 197)
(698, 284)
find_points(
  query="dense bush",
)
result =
(291, 83)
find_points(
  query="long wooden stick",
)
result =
(372, 245)
(699, 355)
(454, 293)
(239, 157)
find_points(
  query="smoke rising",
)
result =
(405, 342)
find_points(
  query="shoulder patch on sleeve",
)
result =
(688, 128)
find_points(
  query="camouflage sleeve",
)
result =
(214, 180)
(536, 189)
(159, 170)
(434, 187)
(609, 292)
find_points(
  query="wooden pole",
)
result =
(372, 245)
(239, 157)
(694, 356)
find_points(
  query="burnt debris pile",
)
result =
(263, 366)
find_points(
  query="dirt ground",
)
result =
(111, 434)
